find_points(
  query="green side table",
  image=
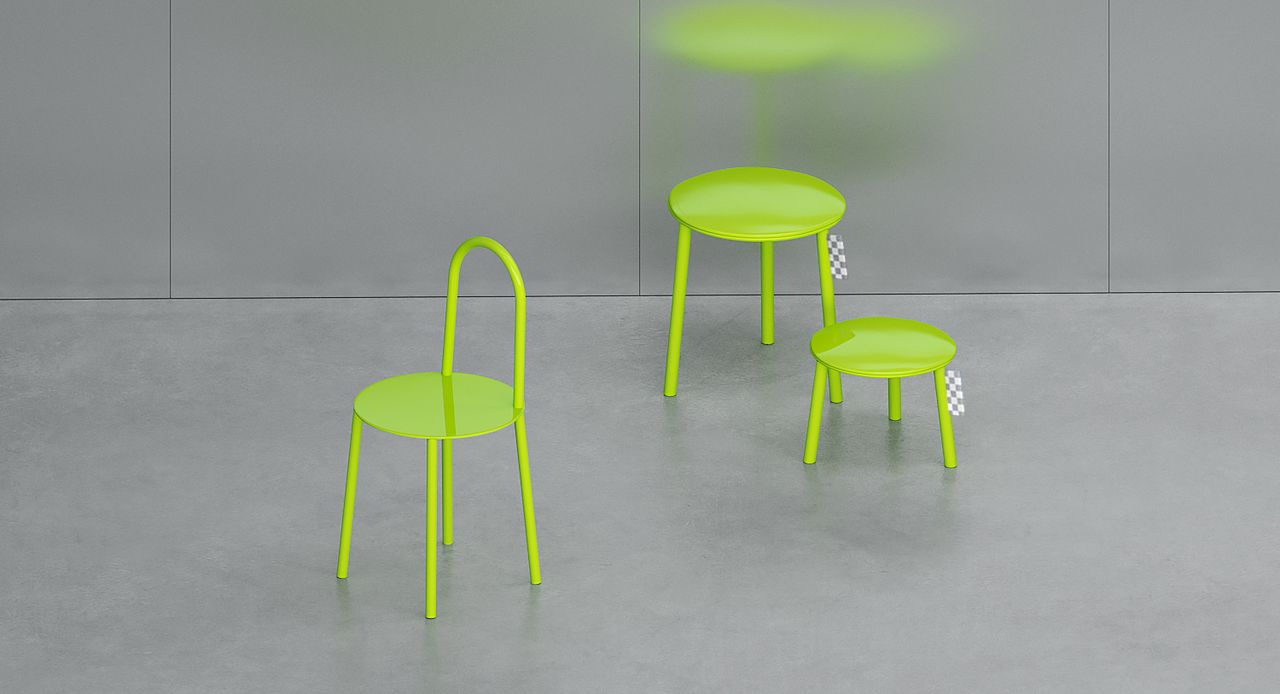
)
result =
(443, 406)
(756, 205)
(888, 348)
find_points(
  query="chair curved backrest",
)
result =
(451, 310)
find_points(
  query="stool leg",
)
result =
(815, 414)
(766, 293)
(446, 490)
(828, 306)
(677, 313)
(526, 500)
(432, 462)
(349, 497)
(895, 399)
(944, 417)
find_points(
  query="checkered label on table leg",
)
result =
(839, 264)
(955, 396)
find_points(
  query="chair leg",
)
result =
(526, 500)
(446, 490)
(944, 417)
(895, 399)
(766, 293)
(679, 285)
(349, 497)
(828, 306)
(815, 414)
(432, 539)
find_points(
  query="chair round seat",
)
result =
(432, 406)
(756, 204)
(878, 347)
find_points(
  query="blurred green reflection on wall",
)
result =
(768, 42)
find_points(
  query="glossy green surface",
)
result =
(435, 406)
(349, 496)
(895, 399)
(446, 491)
(828, 307)
(442, 406)
(888, 348)
(815, 414)
(433, 551)
(675, 329)
(766, 293)
(944, 417)
(451, 311)
(756, 204)
(880, 347)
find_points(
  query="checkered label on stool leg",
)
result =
(955, 396)
(839, 264)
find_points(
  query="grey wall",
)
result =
(84, 148)
(980, 170)
(334, 148)
(331, 147)
(1195, 145)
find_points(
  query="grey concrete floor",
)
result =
(171, 482)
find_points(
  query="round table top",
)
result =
(756, 204)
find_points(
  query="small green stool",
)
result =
(441, 407)
(756, 205)
(890, 348)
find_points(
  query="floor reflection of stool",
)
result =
(889, 348)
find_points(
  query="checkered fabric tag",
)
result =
(955, 396)
(839, 264)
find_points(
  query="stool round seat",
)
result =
(878, 347)
(431, 406)
(756, 204)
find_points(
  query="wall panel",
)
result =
(1195, 145)
(972, 148)
(84, 148)
(331, 147)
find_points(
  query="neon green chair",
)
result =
(441, 407)
(755, 205)
(889, 348)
